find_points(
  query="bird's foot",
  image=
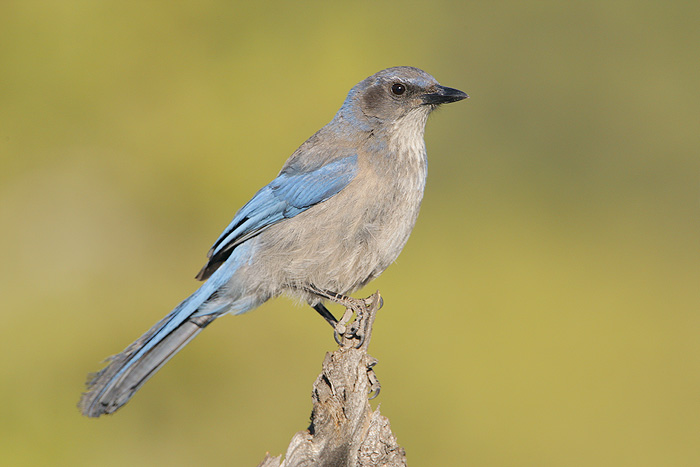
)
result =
(347, 331)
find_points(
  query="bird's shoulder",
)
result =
(330, 144)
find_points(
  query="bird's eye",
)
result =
(398, 89)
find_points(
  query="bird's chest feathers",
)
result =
(392, 190)
(395, 179)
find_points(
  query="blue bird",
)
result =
(337, 215)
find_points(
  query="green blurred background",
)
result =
(545, 312)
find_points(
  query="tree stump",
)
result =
(344, 430)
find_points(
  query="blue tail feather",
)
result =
(126, 372)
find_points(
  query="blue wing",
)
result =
(286, 196)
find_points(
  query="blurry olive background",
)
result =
(546, 310)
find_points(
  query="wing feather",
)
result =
(289, 194)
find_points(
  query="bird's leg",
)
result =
(327, 315)
(339, 329)
(352, 305)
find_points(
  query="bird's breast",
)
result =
(392, 192)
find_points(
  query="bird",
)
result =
(336, 216)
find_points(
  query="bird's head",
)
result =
(392, 94)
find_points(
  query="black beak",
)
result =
(443, 95)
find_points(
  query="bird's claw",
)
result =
(338, 336)
(360, 336)
(374, 386)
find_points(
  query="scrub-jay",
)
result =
(336, 216)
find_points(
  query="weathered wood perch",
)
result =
(344, 430)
